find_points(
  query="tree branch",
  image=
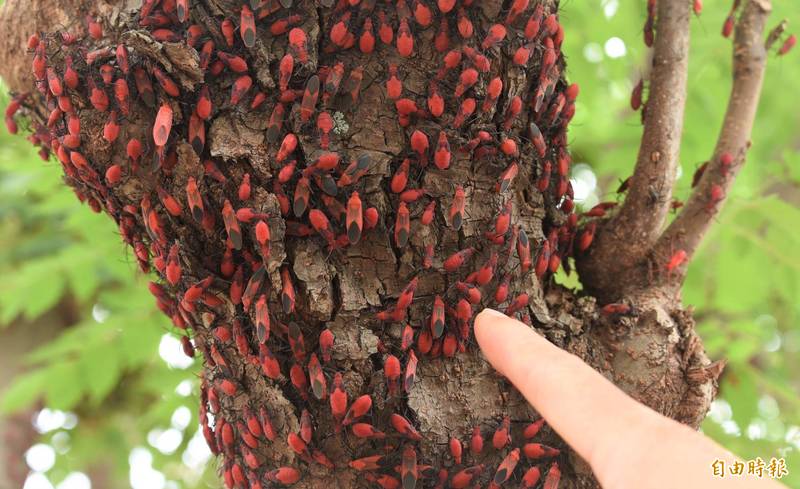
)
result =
(628, 236)
(749, 63)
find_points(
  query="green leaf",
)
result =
(26, 389)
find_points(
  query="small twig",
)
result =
(626, 239)
(749, 62)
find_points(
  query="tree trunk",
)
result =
(203, 255)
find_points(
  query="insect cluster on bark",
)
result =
(230, 304)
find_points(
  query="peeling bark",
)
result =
(652, 353)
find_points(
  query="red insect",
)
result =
(521, 300)
(266, 424)
(326, 339)
(71, 78)
(787, 45)
(407, 337)
(445, 6)
(587, 236)
(456, 260)
(370, 463)
(195, 200)
(340, 32)
(332, 83)
(338, 400)
(232, 225)
(456, 450)
(531, 477)
(262, 319)
(370, 218)
(466, 109)
(514, 108)
(197, 134)
(318, 384)
(366, 430)
(405, 40)
(298, 41)
(727, 27)
(310, 97)
(228, 30)
(287, 293)
(419, 143)
(205, 54)
(400, 177)
(532, 429)
(435, 100)
(411, 372)
(407, 295)
(465, 27)
(285, 70)
(325, 126)
(239, 88)
(495, 35)
(462, 479)
(404, 427)
(553, 477)
(269, 364)
(476, 441)
(173, 270)
(359, 408)
(457, 207)
(111, 127)
(284, 475)
(297, 342)
(355, 220)
(248, 27)
(394, 87)
(408, 468)
(506, 468)
(517, 8)
(437, 318)
(353, 84)
(162, 125)
(113, 175)
(441, 158)
(366, 43)
(537, 450)
(502, 436)
(472, 293)
(281, 26)
(467, 79)
(717, 194)
(298, 377)
(385, 32)
(97, 97)
(166, 83)
(676, 260)
(402, 227)
(391, 369)
(428, 213)
(262, 238)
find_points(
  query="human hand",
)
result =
(626, 443)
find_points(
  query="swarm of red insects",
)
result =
(465, 113)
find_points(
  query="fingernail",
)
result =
(493, 313)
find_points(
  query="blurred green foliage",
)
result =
(744, 282)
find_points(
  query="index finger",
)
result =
(586, 409)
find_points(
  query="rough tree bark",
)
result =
(205, 257)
